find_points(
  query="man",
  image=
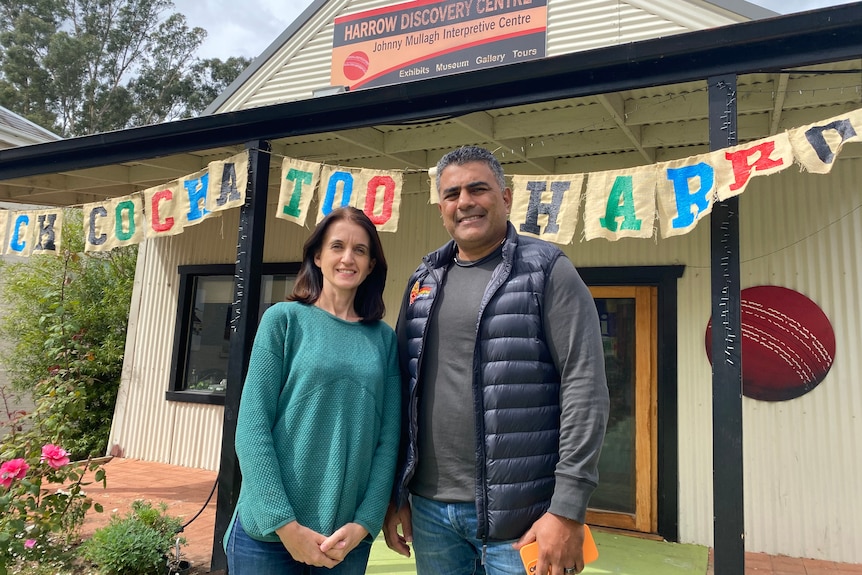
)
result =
(506, 400)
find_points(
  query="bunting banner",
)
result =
(381, 198)
(114, 223)
(162, 209)
(376, 192)
(686, 194)
(191, 201)
(816, 146)
(547, 206)
(32, 232)
(228, 180)
(764, 157)
(335, 190)
(298, 181)
(618, 204)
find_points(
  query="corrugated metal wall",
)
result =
(572, 27)
(802, 457)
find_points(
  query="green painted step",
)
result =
(618, 554)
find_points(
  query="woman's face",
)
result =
(345, 258)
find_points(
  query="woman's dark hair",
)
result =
(309, 282)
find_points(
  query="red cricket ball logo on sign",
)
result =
(788, 345)
(355, 65)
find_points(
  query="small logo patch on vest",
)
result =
(417, 292)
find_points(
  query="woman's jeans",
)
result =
(247, 556)
(445, 543)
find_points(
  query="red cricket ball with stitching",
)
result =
(788, 345)
(355, 65)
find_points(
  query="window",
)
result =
(203, 327)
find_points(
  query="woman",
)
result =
(319, 419)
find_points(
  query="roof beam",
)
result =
(482, 124)
(616, 107)
(778, 101)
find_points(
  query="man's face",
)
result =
(474, 208)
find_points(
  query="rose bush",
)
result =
(42, 504)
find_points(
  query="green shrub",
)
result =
(136, 544)
(64, 318)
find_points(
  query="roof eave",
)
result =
(770, 45)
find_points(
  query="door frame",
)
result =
(664, 278)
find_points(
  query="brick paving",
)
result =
(185, 490)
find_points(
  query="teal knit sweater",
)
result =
(318, 425)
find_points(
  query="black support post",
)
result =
(727, 476)
(246, 303)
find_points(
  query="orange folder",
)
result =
(530, 553)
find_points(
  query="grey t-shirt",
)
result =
(446, 415)
(446, 469)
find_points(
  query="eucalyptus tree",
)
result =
(87, 66)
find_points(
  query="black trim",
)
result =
(244, 321)
(827, 35)
(665, 279)
(725, 280)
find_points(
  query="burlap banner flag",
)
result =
(620, 204)
(191, 202)
(298, 182)
(377, 193)
(759, 158)
(380, 197)
(547, 207)
(114, 223)
(817, 145)
(4, 223)
(164, 214)
(228, 182)
(33, 232)
(686, 193)
(336, 189)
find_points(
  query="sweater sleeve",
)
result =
(267, 506)
(574, 336)
(373, 507)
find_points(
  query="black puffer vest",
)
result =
(516, 387)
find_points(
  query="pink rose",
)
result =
(30, 543)
(54, 455)
(13, 469)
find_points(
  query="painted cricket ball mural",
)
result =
(788, 344)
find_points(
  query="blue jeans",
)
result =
(247, 556)
(444, 539)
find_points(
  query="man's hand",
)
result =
(398, 542)
(561, 544)
(343, 541)
(303, 544)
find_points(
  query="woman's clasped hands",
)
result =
(313, 548)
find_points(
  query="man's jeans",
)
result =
(247, 556)
(445, 543)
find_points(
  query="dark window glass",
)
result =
(203, 327)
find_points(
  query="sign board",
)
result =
(430, 38)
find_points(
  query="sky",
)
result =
(247, 28)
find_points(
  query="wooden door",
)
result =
(627, 494)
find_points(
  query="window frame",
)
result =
(182, 326)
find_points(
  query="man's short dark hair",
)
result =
(467, 154)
